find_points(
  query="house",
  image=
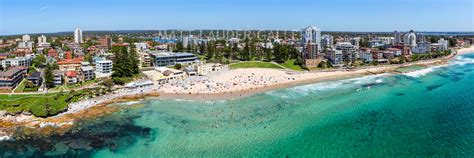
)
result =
(72, 77)
(58, 77)
(36, 78)
(11, 78)
(53, 53)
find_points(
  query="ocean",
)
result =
(424, 113)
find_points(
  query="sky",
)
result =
(47, 16)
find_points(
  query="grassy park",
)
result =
(254, 64)
(42, 105)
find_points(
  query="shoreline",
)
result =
(96, 107)
(341, 75)
(344, 74)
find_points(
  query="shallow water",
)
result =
(425, 113)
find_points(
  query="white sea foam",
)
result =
(423, 72)
(131, 103)
(52, 124)
(378, 81)
(3, 138)
(328, 86)
(460, 60)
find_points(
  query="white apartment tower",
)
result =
(26, 37)
(311, 34)
(442, 44)
(409, 39)
(311, 42)
(398, 37)
(42, 39)
(78, 36)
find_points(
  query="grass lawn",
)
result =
(254, 64)
(20, 86)
(290, 64)
(73, 86)
(40, 105)
(59, 88)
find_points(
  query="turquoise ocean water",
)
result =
(425, 113)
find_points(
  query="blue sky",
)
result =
(38, 16)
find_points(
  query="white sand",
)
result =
(466, 50)
(252, 79)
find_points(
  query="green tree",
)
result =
(253, 49)
(179, 47)
(125, 63)
(177, 66)
(268, 54)
(108, 83)
(280, 52)
(322, 65)
(234, 51)
(39, 60)
(210, 50)
(48, 76)
(245, 55)
(31, 69)
(202, 48)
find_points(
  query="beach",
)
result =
(465, 50)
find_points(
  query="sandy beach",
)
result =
(466, 50)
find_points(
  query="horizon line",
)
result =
(37, 33)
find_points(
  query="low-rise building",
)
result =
(36, 78)
(395, 51)
(335, 57)
(145, 59)
(72, 77)
(87, 73)
(18, 61)
(203, 69)
(422, 48)
(103, 68)
(11, 78)
(70, 63)
(139, 84)
(163, 59)
(190, 71)
(378, 56)
(366, 55)
(58, 77)
(163, 75)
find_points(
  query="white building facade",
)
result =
(103, 68)
(78, 36)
